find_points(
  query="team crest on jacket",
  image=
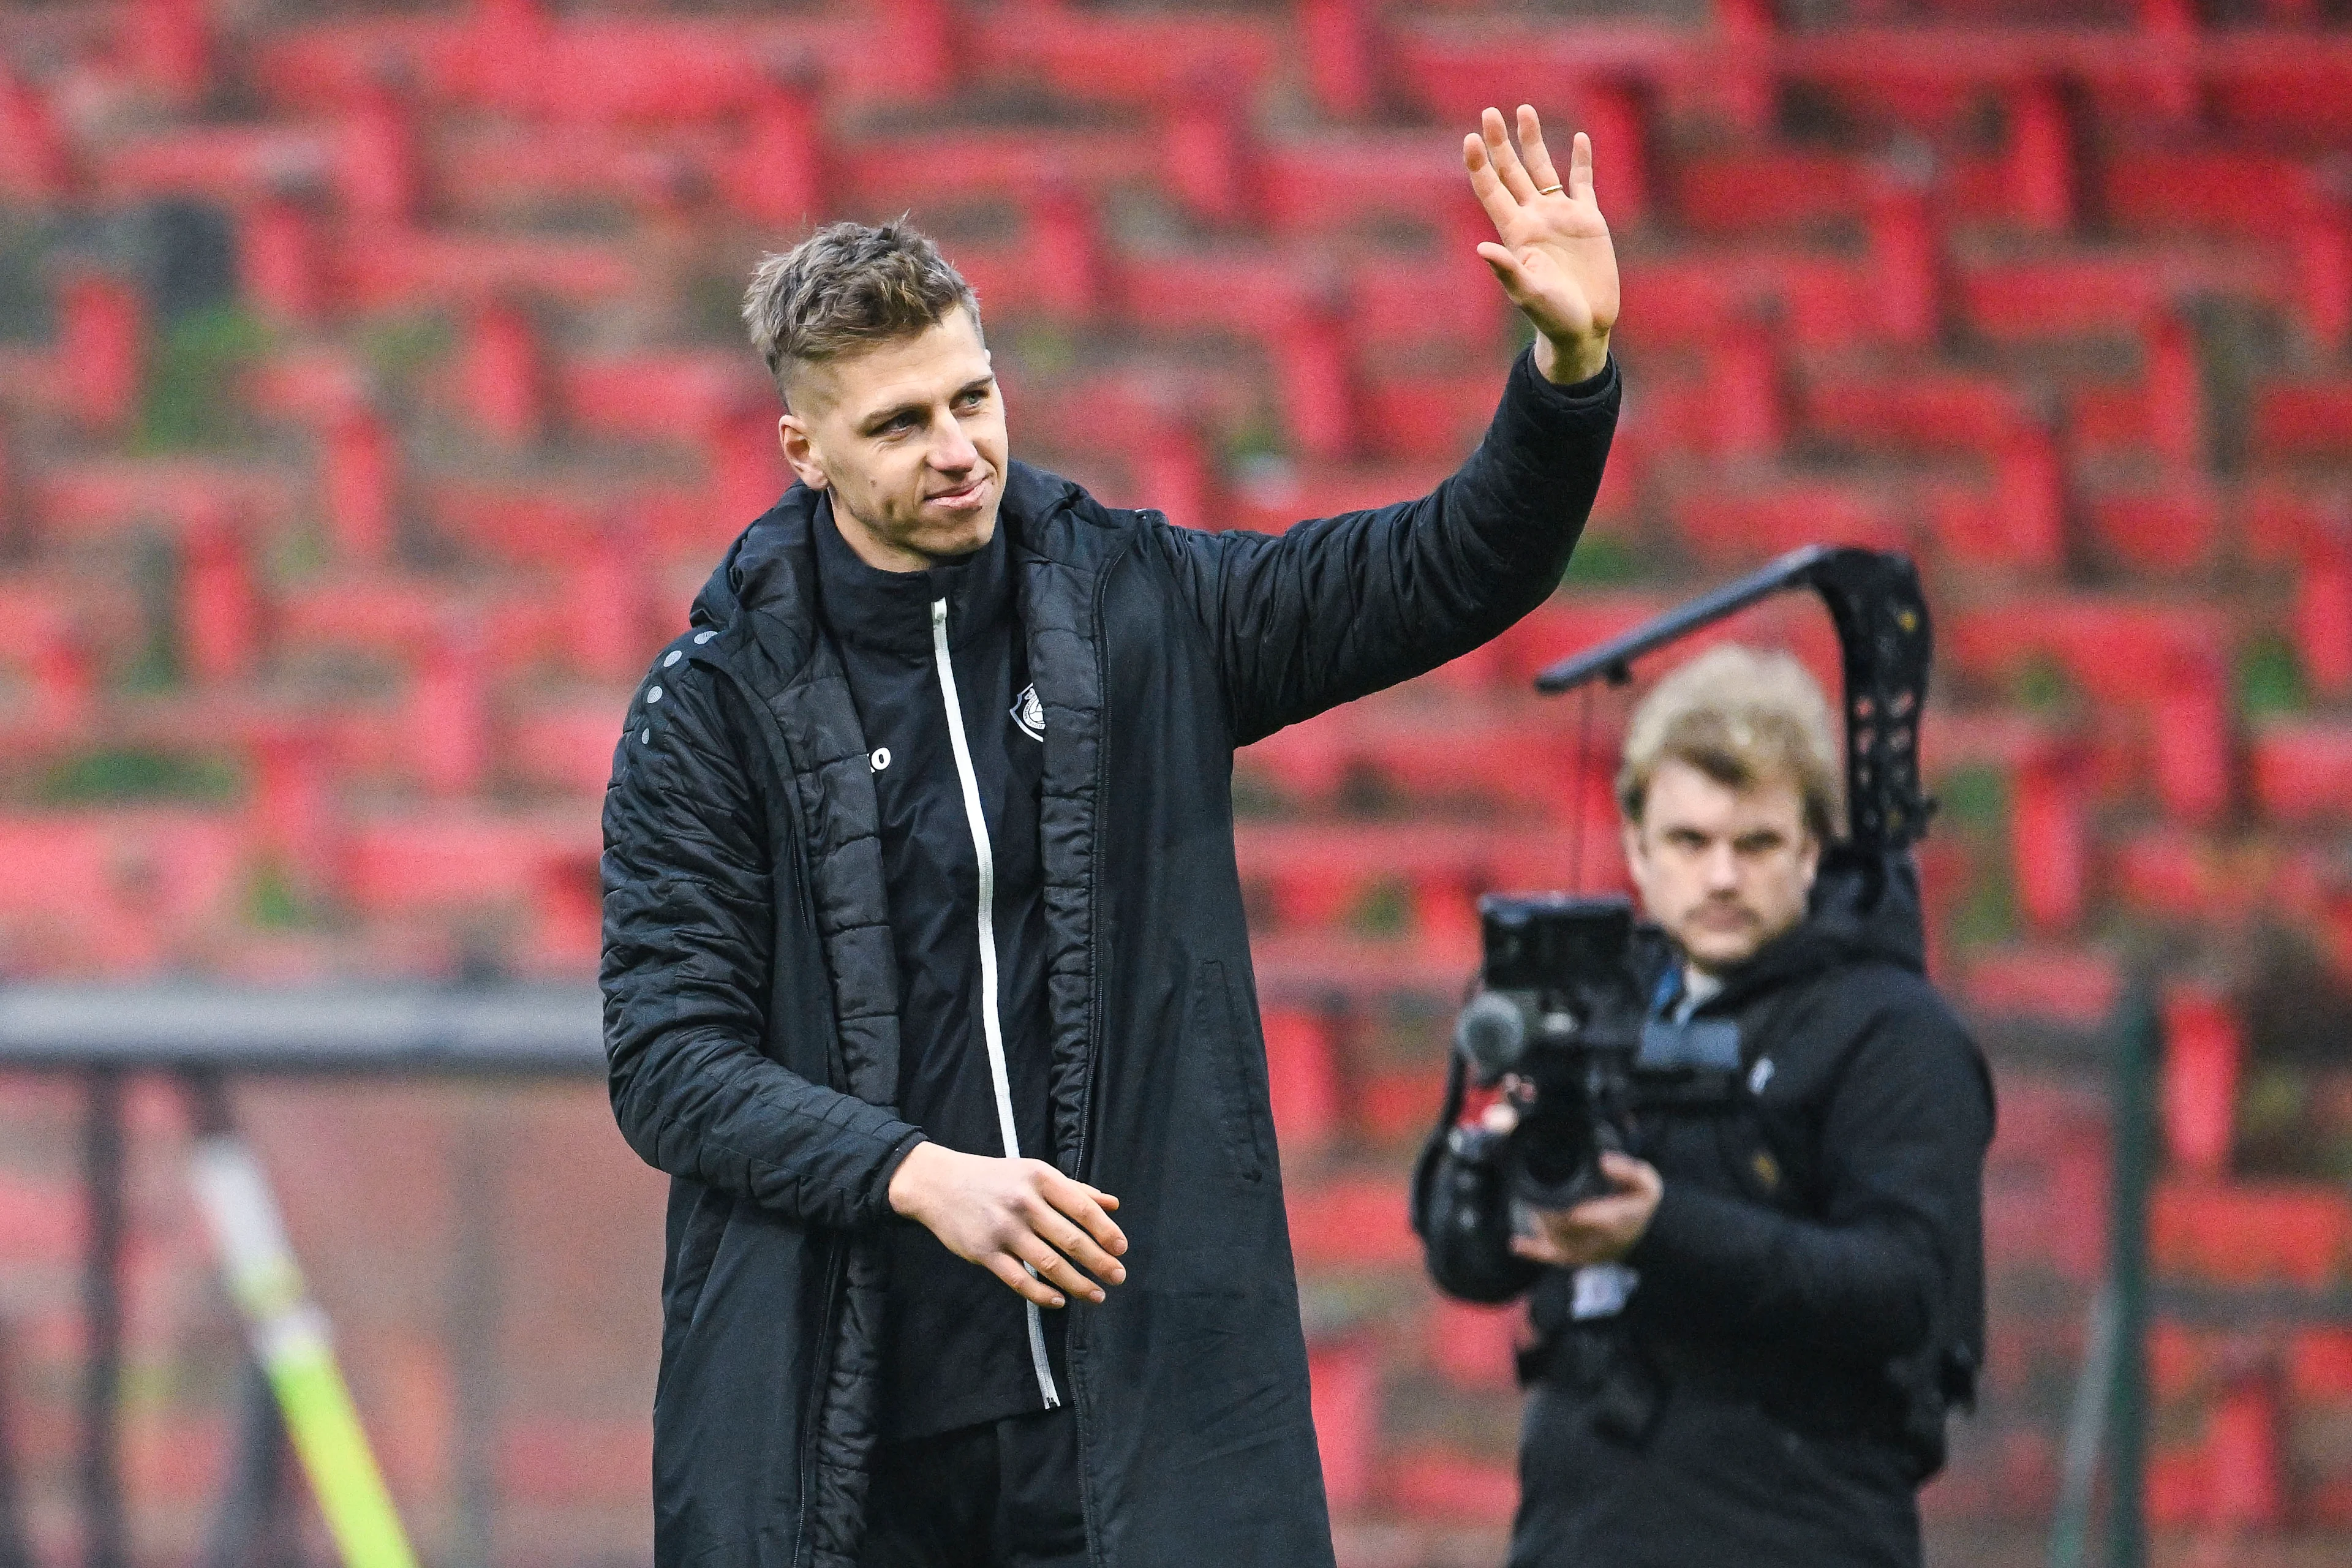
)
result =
(1030, 713)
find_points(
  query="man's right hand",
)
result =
(1011, 1216)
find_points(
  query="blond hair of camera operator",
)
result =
(1745, 1352)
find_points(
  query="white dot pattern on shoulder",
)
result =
(674, 657)
(646, 736)
(702, 637)
(881, 759)
(655, 695)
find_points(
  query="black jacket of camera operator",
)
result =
(1810, 1298)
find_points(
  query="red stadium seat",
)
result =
(117, 894)
(2119, 651)
(2321, 244)
(777, 175)
(2041, 171)
(35, 158)
(360, 478)
(1343, 63)
(1906, 255)
(1336, 182)
(2023, 302)
(454, 857)
(282, 252)
(2250, 1233)
(1302, 1077)
(2215, 192)
(565, 745)
(2301, 770)
(654, 397)
(2176, 531)
(516, 173)
(1920, 411)
(220, 603)
(887, 173)
(1135, 60)
(2203, 1050)
(2058, 984)
(228, 162)
(1768, 191)
(386, 268)
(1351, 1220)
(1731, 528)
(2323, 616)
(505, 375)
(2247, 1470)
(2304, 422)
(101, 349)
(1436, 415)
(609, 629)
(100, 498)
(379, 169)
(2049, 844)
(1346, 1380)
(1474, 1346)
(1435, 1483)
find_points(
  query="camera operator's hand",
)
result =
(1598, 1230)
(1013, 1215)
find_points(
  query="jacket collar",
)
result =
(1865, 909)
(768, 579)
(890, 612)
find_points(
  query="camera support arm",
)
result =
(1884, 640)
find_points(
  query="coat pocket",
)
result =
(698, 1249)
(1221, 1033)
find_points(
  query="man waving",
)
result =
(925, 971)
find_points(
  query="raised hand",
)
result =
(1554, 257)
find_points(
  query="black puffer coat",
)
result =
(750, 1005)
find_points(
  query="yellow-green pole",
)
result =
(291, 1338)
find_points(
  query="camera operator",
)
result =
(1744, 1348)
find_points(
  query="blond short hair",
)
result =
(849, 285)
(1740, 717)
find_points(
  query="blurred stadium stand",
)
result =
(370, 405)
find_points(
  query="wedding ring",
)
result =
(1550, 190)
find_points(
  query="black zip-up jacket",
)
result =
(959, 1348)
(752, 993)
(1810, 1290)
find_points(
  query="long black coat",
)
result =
(750, 1000)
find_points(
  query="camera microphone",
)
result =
(1491, 1032)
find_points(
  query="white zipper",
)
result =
(991, 1027)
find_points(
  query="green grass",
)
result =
(2043, 688)
(1974, 800)
(2270, 679)
(1602, 562)
(128, 774)
(400, 348)
(1385, 910)
(270, 901)
(191, 398)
